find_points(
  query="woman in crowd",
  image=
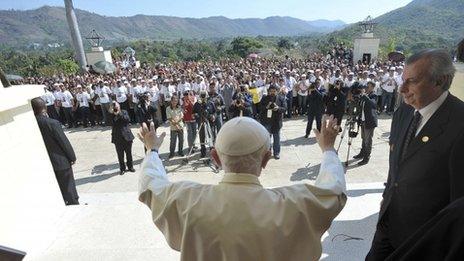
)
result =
(174, 114)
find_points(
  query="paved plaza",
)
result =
(110, 223)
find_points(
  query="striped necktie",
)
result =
(411, 132)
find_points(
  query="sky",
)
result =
(348, 11)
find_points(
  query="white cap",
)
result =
(241, 136)
(392, 68)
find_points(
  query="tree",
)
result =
(242, 46)
(284, 43)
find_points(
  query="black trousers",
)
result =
(51, 111)
(121, 149)
(67, 185)
(311, 118)
(381, 246)
(366, 136)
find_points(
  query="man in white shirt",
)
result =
(199, 85)
(289, 82)
(67, 103)
(183, 86)
(388, 87)
(121, 95)
(303, 87)
(238, 219)
(103, 92)
(49, 99)
(83, 98)
(399, 83)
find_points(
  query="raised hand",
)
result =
(329, 131)
(149, 137)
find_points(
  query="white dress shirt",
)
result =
(428, 111)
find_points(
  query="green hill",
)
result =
(48, 24)
(420, 24)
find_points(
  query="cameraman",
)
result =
(315, 108)
(218, 102)
(241, 103)
(273, 107)
(146, 112)
(204, 113)
(368, 122)
(335, 101)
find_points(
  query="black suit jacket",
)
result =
(369, 107)
(275, 122)
(121, 131)
(58, 147)
(432, 173)
(315, 103)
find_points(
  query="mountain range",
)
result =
(420, 24)
(48, 24)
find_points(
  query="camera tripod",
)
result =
(352, 133)
(207, 143)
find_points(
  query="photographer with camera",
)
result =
(218, 102)
(315, 108)
(122, 137)
(336, 101)
(204, 112)
(241, 103)
(273, 107)
(368, 121)
(146, 112)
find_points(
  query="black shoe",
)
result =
(359, 156)
(181, 154)
(363, 162)
(122, 172)
(277, 156)
(171, 155)
(306, 136)
(132, 170)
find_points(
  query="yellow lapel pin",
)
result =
(425, 139)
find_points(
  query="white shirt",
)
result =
(103, 94)
(154, 93)
(198, 87)
(58, 96)
(121, 94)
(182, 87)
(428, 111)
(388, 83)
(49, 98)
(67, 103)
(289, 83)
(135, 91)
(168, 92)
(83, 99)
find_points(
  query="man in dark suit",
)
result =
(59, 150)
(315, 109)
(426, 152)
(368, 121)
(272, 111)
(122, 137)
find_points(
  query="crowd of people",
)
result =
(200, 96)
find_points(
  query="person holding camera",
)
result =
(273, 107)
(336, 101)
(368, 122)
(122, 137)
(241, 103)
(146, 112)
(218, 101)
(175, 114)
(204, 112)
(315, 108)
